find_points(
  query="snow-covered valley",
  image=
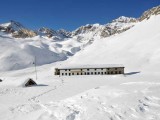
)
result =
(132, 96)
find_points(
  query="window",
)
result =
(62, 74)
(58, 73)
(87, 73)
(112, 72)
(120, 72)
(87, 69)
(108, 72)
(81, 69)
(72, 73)
(95, 73)
(101, 68)
(95, 69)
(91, 73)
(65, 69)
(116, 72)
(69, 74)
(81, 73)
(101, 73)
(115, 68)
(69, 69)
(98, 72)
(77, 73)
(66, 74)
(105, 73)
(108, 69)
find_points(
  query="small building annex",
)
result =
(110, 69)
(29, 83)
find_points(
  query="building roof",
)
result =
(91, 66)
(29, 82)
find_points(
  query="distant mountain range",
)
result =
(119, 25)
(19, 45)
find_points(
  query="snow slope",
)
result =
(20, 53)
(137, 49)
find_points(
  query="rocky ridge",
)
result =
(117, 26)
(147, 14)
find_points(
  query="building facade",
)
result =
(90, 70)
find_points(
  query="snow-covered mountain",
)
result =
(132, 96)
(147, 14)
(50, 45)
(121, 24)
(17, 30)
(50, 33)
(118, 25)
(137, 48)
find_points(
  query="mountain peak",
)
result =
(59, 34)
(17, 24)
(123, 19)
(16, 29)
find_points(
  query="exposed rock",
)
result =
(118, 25)
(47, 32)
(64, 33)
(147, 14)
(85, 29)
(17, 30)
(60, 34)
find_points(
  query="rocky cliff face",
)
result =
(118, 25)
(86, 29)
(17, 30)
(147, 14)
(50, 33)
(47, 32)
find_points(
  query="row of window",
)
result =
(93, 73)
(94, 69)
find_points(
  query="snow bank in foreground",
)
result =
(108, 103)
(131, 97)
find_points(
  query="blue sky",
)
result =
(70, 14)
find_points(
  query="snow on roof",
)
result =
(91, 66)
(26, 81)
